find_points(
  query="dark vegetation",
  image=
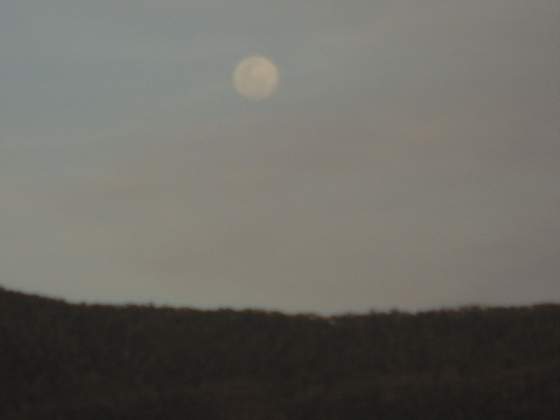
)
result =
(68, 362)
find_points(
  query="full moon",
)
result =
(256, 78)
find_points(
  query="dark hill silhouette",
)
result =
(62, 361)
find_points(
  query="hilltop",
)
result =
(69, 361)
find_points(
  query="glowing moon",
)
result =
(256, 78)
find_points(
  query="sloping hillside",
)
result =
(62, 361)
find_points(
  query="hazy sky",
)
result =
(410, 157)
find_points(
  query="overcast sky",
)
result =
(410, 157)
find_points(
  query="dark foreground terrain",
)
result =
(76, 362)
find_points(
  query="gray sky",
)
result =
(410, 157)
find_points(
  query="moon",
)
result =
(256, 78)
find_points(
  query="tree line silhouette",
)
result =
(62, 361)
